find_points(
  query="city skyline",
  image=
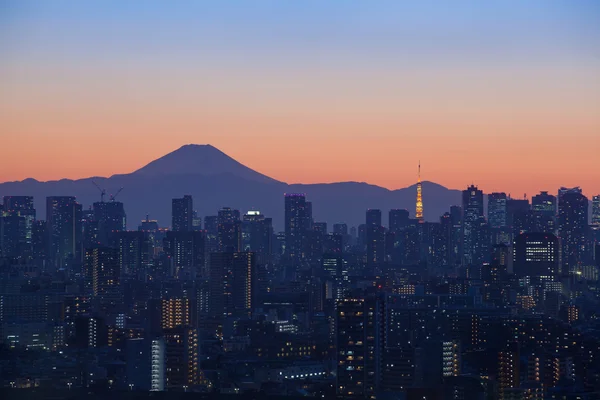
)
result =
(354, 88)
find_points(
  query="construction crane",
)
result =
(102, 191)
(114, 196)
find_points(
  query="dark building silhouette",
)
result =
(257, 236)
(375, 233)
(21, 214)
(472, 207)
(229, 230)
(298, 218)
(111, 218)
(517, 216)
(573, 228)
(544, 209)
(182, 214)
(536, 254)
(63, 226)
(231, 284)
(186, 250)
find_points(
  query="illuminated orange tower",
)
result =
(419, 211)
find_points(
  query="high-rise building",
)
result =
(455, 238)
(21, 206)
(136, 252)
(175, 312)
(103, 263)
(596, 210)
(181, 358)
(419, 203)
(146, 364)
(229, 230)
(231, 284)
(63, 226)
(497, 210)
(257, 235)
(182, 214)
(111, 218)
(186, 250)
(472, 206)
(211, 227)
(375, 236)
(544, 210)
(517, 216)
(297, 221)
(398, 219)
(573, 228)
(358, 346)
(535, 255)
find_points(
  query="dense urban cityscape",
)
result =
(499, 299)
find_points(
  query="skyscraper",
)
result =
(175, 312)
(229, 230)
(231, 284)
(63, 225)
(296, 225)
(21, 206)
(182, 214)
(375, 236)
(544, 211)
(186, 250)
(106, 274)
(257, 235)
(497, 210)
(111, 218)
(596, 210)
(573, 228)
(472, 206)
(419, 204)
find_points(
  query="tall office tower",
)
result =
(136, 250)
(535, 255)
(229, 230)
(196, 221)
(89, 230)
(455, 246)
(497, 210)
(335, 276)
(596, 210)
(358, 339)
(63, 225)
(398, 219)
(146, 364)
(296, 225)
(103, 264)
(186, 250)
(435, 241)
(257, 236)
(21, 206)
(472, 205)
(375, 238)
(320, 227)
(308, 220)
(231, 284)
(175, 312)
(39, 240)
(181, 358)
(340, 229)
(517, 216)
(544, 211)
(111, 218)
(419, 203)
(12, 237)
(497, 218)
(211, 226)
(182, 214)
(573, 228)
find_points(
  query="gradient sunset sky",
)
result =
(503, 94)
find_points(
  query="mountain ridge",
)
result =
(215, 180)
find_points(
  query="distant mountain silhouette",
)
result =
(202, 160)
(216, 180)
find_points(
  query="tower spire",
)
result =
(419, 205)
